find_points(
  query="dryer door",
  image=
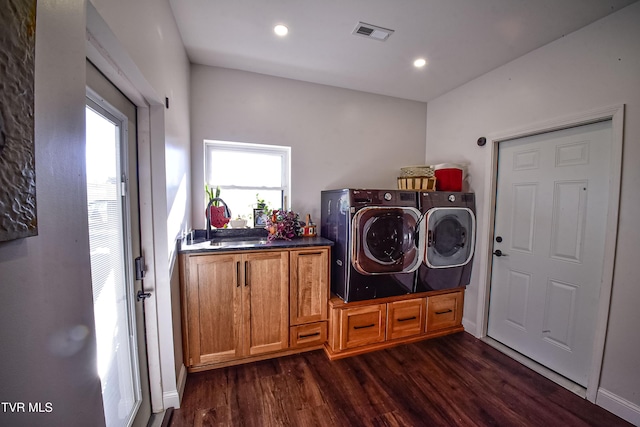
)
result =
(384, 240)
(450, 237)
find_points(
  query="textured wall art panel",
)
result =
(17, 164)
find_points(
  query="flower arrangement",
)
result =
(283, 225)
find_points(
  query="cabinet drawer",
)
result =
(405, 318)
(308, 335)
(444, 311)
(362, 325)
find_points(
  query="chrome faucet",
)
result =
(227, 214)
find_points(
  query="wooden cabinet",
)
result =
(311, 334)
(360, 326)
(363, 326)
(405, 318)
(265, 302)
(309, 294)
(309, 285)
(444, 311)
(234, 305)
(242, 306)
(211, 309)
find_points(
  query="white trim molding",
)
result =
(469, 326)
(617, 405)
(182, 382)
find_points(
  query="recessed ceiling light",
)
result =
(420, 62)
(280, 30)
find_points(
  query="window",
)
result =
(246, 173)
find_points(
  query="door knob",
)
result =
(498, 252)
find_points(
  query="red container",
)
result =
(218, 220)
(449, 177)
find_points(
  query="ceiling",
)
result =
(460, 39)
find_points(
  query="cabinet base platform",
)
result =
(250, 359)
(333, 355)
(364, 326)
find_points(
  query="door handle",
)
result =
(141, 295)
(238, 274)
(315, 334)
(365, 326)
(499, 253)
(246, 273)
(247, 270)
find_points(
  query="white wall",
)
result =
(45, 281)
(149, 35)
(339, 138)
(595, 67)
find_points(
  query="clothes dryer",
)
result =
(375, 235)
(449, 241)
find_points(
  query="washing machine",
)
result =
(375, 235)
(448, 242)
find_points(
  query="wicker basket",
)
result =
(422, 183)
(417, 171)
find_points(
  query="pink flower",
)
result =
(285, 227)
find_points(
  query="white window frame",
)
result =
(282, 151)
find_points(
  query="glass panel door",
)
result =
(110, 271)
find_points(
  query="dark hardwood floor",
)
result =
(450, 381)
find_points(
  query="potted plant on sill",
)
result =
(219, 215)
(262, 204)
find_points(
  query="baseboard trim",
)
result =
(470, 327)
(619, 406)
(182, 381)
(171, 399)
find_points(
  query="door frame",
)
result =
(614, 113)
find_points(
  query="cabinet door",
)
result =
(265, 298)
(213, 296)
(309, 285)
(444, 311)
(362, 325)
(405, 318)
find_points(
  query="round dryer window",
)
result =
(450, 237)
(384, 240)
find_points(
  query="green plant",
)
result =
(261, 203)
(211, 195)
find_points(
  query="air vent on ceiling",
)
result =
(372, 31)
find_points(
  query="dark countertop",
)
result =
(231, 243)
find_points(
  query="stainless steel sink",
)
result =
(238, 243)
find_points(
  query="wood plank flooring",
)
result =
(450, 381)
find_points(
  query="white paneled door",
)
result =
(550, 225)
